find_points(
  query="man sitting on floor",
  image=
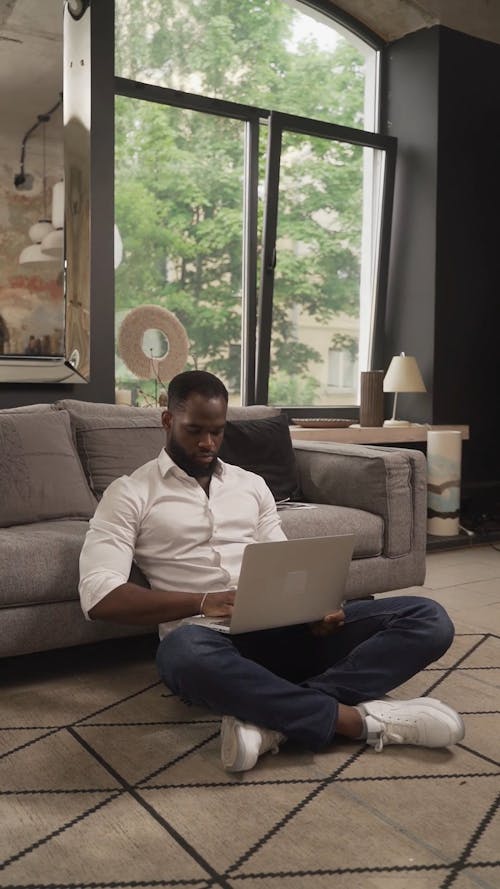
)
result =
(186, 518)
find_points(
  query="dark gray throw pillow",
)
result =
(41, 477)
(264, 447)
(112, 446)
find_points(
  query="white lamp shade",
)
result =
(403, 375)
(53, 244)
(33, 253)
(58, 205)
(38, 231)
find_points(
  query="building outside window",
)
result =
(250, 187)
(342, 370)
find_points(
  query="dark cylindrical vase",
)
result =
(371, 405)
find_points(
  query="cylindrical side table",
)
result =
(371, 400)
(444, 457)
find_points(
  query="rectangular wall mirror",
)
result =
(45, 184)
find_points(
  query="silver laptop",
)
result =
(287, 582)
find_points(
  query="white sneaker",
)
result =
(242, 743)
(425, 722)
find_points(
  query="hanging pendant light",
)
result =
(38, 231)
(33, 253)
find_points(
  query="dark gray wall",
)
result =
(413, 117)
(101, 385)
(443, 104)
(467, 313)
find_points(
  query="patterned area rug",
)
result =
(109, 781)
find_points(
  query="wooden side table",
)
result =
(383, 435)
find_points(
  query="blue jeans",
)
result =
(292, 681)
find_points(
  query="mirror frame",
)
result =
(74, 365)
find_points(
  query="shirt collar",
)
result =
(167, 465)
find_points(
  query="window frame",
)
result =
(278, 124)
(253, 387)
(252, 117)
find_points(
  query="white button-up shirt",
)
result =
(181, 539)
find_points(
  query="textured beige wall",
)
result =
(392, 19)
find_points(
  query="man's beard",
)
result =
(190, 467)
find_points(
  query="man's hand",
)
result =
(330, 624)
(219, 604)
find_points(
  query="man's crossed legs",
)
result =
(289, 683)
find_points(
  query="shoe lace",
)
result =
(271, 742)
(389, 734)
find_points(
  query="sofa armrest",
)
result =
(390, 482)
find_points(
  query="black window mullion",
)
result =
(335, 132)
(250, 222)
(383, 256)
(268, 258)
(135, 89)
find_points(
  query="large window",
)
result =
(250, 192)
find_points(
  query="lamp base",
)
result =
(397, 423)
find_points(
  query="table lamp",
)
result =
(403, 375)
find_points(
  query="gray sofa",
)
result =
(56, 460)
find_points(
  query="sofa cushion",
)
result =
(263, 446)
(252, 411)
(111, 444)
(370, 478)
(41, 476)
(28, 409)
(116, 445)
(322, 520)
(78, 408)
(39, 563)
